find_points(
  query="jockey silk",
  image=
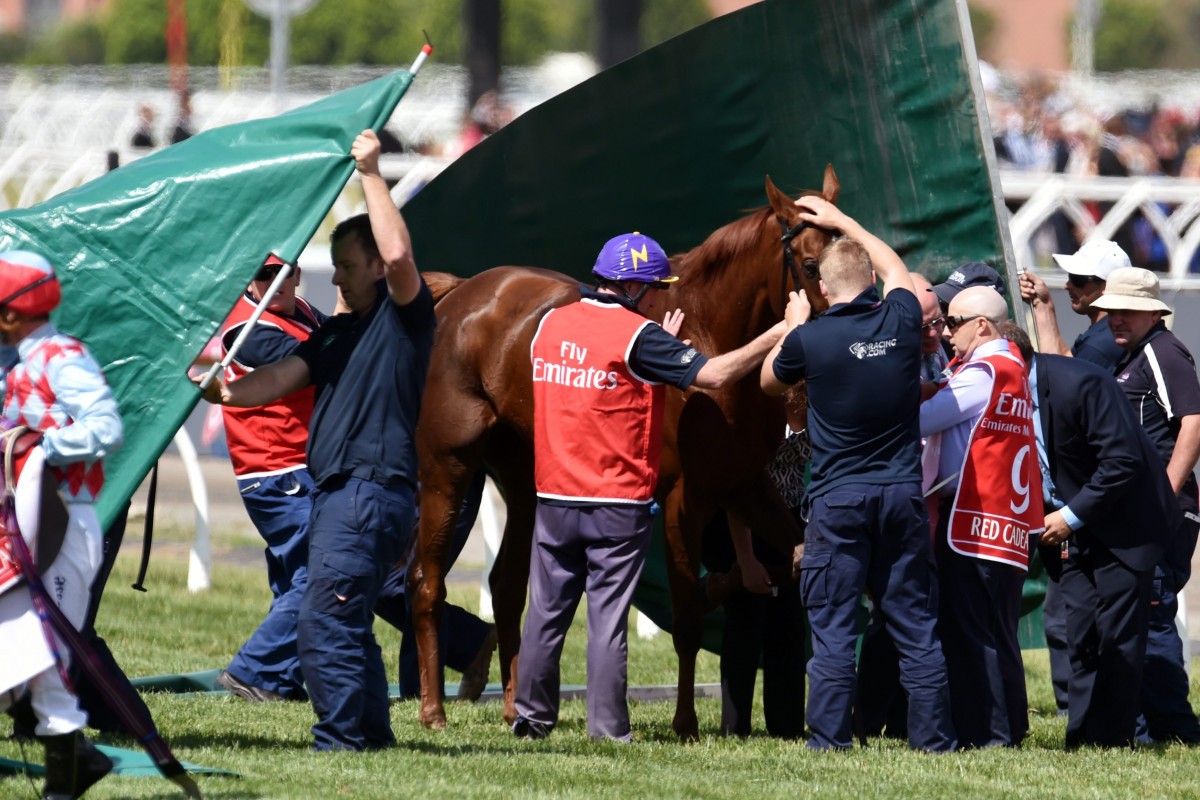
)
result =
(270, 439)
(29, 400)
(597, 425)
(999, 498)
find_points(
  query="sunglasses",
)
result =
(954, 323)
(1079, 281)
(267, 273)
(933, 323)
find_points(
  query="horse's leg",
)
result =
(759, 505)
(447, 465)
(509, 579)
(683, 528)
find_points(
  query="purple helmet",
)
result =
(633, 257)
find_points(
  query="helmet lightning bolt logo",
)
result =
(636, 254)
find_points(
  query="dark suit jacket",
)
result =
(1103, 464)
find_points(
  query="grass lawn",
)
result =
(169, 630)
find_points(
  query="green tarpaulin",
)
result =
(153, 255)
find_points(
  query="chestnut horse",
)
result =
(478, 409)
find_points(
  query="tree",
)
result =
(1132, 34)
(74, 42)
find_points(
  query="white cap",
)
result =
(1096, 259)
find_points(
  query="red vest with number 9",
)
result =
(999, 499)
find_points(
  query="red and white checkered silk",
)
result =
(29, 400)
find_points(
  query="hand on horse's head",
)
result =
(820, 212)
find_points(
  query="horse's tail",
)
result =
(441, 283)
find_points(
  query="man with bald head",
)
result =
(980, 437)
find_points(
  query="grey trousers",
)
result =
(599, 550)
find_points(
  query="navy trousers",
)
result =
(1106, 609)
(1167, 713)
(280, 507)
(600, 550)
(1054, 623)
(873, 538)
(979, 609)
(358, 531)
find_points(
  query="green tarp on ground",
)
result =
(153, 255)
(677, 141)
(126, 763)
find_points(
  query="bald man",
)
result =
(980, 436)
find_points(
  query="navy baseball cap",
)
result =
(973, 273)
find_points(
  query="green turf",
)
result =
(169, 630)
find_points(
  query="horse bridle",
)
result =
(789, 258)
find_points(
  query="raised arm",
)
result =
(391, 234)
(1035, 292)
(888, 266)
(796, 314)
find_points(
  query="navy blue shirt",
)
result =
(862, 364)
(656, 355)
(369, 374)
(1098, 346)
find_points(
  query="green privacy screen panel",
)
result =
(676, 142)
(153, 255)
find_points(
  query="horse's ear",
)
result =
(783, 205)
(831, 187)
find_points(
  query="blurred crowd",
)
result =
(1037, 126)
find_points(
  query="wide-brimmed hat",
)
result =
(1131, 289)
(1095, 259)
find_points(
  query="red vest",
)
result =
(597, 427)
(268, 439)
(999, 498)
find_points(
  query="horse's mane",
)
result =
(727, 243)
(724, 245)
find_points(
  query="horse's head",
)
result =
(802, 242)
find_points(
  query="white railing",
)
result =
(1170, 205)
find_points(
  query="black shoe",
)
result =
(73, 765)
(528, 729)
(245, 690)
(23, 719)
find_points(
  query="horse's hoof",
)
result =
(434, 720)
(686, 729)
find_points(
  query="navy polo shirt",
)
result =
(656, 355)
(1159, 379)
(862, 364)
(1098, 346)
(369, 374)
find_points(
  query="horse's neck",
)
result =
(727, 305)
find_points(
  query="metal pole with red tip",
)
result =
(419, 61)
